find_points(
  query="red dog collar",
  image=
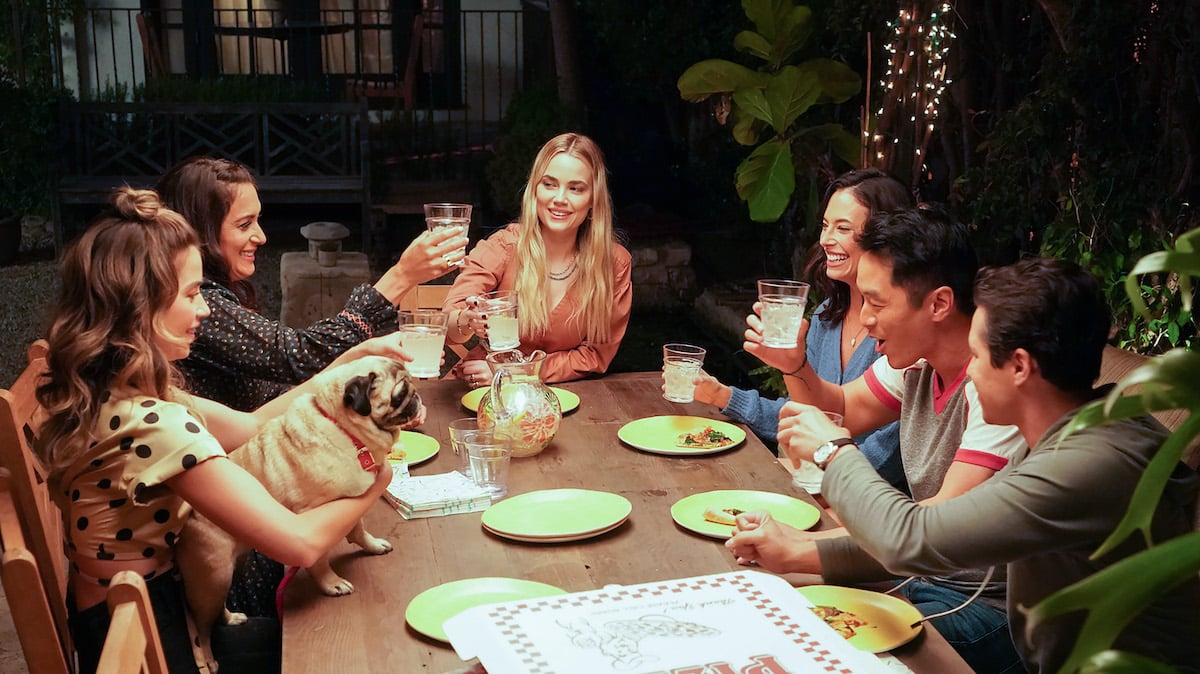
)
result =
(364, 457)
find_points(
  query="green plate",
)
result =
(688, 512)
(567, 400)
(660, 435)
(888, 619)
(418, 447)
(557, 515)
(428, 611)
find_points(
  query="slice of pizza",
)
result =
(843, 622)
(706, 438)
(726, 516)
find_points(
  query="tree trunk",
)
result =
(563, 34)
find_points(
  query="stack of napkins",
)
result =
(434, 495)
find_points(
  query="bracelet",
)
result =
(802, 365)
(458, 322)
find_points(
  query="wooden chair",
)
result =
(402, 92)
(31, 530)
(132, 645)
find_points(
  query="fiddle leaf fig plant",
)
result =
(1116, 595)
(766, 104)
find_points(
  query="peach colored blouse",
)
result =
(568, 353)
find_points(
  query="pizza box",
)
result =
(742, 621)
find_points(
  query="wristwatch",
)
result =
(825, 452)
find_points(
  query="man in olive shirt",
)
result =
(1036, 342)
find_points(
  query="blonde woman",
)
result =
(570, 275)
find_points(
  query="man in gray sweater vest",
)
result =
(1036, 341)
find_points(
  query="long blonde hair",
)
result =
(595, 240)
(118, 279)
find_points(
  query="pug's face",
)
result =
(376, 392)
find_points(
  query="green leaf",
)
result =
(789, 94)
(745, 127)
(767, 15)
(766, 180)
(1119, 662)
(753, 102)
(716, 76)
(837, 81)
(1116, 595)
(1185, 261)
(753, 43)
(795, 27)
(844, 144)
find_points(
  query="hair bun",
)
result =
(135, 204)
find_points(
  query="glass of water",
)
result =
(439, 215)
(501, 309)
(681, 365)
(489, 456)
(459, 430)
(807, 475)
(782, 310)
(423, 334)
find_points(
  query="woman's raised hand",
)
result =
(430, 255)
(784, 360)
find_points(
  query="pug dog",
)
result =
(306, 457)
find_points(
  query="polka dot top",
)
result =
(117, 505)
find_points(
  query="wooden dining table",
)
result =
(366, 630)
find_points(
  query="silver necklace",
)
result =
(566, 273)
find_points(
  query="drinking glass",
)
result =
(501, 309)
(681, 365)
(490, 457)
(439, 215)
(782, 310)
(423, 334)
(459, 430)
(807, 476)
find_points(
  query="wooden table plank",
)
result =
(366, 631)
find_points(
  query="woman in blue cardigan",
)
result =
(838, 345)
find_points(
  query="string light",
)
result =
(916, 71)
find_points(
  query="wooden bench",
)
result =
(300, 153)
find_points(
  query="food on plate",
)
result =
(842, 621)
(725, 516)
(707, 438)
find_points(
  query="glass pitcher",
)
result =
(518, 404)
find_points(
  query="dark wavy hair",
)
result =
(927, 249)
(1052, 308)
(877, 192)
(201, 189)
(118, 279)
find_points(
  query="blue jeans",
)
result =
(979, 632)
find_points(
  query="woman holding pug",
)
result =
(562, 258)
(241, 358)
(130, 454)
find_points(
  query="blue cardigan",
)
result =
(881, 446)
